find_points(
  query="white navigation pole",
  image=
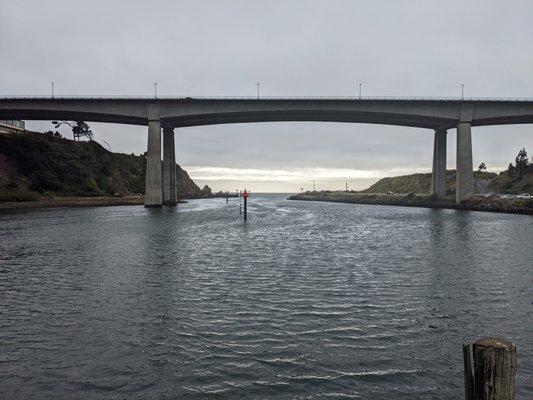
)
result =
(257, 90)
(52, 89)
(462, 91)
(155, 90)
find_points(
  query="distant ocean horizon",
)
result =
(295, 180)
(285, 186)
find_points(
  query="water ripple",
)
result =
(305, 300)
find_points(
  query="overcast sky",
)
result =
(292, 47)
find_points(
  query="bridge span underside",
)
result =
(169, 113)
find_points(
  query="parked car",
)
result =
(524, 196)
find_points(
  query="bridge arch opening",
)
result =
(339, 142)
(285, 156)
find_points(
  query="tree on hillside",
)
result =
(511, 169)
(52, 133)
(79, 129)
(482, 167)
(522, 162)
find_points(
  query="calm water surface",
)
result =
(305, 300)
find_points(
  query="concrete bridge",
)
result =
(438, 115)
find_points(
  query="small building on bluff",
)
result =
(7, 126)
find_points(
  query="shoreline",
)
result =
(9, 206)
(420, 200)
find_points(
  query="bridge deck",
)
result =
(421, 112)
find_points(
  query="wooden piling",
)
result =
(490, 369)
(469, 372)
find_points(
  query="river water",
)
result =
(305, 300)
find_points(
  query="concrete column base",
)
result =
(169, 168)
(153, 194)
(464, 187)
(438, 176)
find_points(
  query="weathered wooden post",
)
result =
(490, 369)
(469, 371)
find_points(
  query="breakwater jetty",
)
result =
(475, 203)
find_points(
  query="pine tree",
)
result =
(79, 129)
(522, 162)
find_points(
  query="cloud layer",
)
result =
(301, 48)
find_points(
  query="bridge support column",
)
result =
(438, 176)
(464, 187)
(153, 194)
(169, 168)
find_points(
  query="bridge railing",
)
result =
(189, 97)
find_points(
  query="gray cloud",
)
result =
(401, 48)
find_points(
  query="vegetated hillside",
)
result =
(421, 183)
(513, 184)
(34, 164)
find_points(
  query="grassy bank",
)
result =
(484, 182)
(476, 203)
(421, 183)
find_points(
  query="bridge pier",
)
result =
(464, 187)
(438, 176)
(169, 168)
(153, 194)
